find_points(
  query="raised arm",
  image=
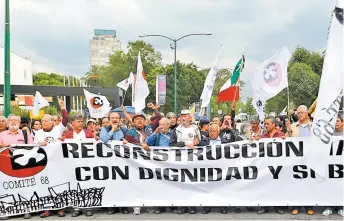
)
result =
(126, 114)
(233, 113)
(64, 112)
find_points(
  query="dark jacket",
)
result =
(155, 120)
(228, 136)
(133, 136)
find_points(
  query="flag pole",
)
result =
(288, 105)
(124, 97)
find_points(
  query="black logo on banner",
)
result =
(96, 102)
(23, 162)
(339, 14)
(272, 74)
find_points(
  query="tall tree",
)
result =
(52, 79)
(314, 59)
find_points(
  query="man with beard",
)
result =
(15, 136)
(114, 131)
(186, 135)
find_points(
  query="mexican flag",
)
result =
(230, 90)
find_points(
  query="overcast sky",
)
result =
(55, 34)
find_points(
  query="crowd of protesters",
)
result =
(177, 130)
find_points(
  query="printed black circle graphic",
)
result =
(190, 135)
(49, 139)
(339, 14)
(259, 103)
(23, 162)
(272, 74)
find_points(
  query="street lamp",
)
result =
(7, 54)
(175, 59)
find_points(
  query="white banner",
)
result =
(270, 172)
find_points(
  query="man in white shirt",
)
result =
(186, 134)
(51, 131)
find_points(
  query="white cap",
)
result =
(184, 112)
(91, 120)
(340, 4)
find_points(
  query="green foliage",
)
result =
(303, 89)
(314, 59)
(48, 79)
(248, 107)
(19, 111)
(303, 84)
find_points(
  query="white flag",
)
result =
(126, 82)
(329, 96)
(210, 81)
(140, 87)
(284, 111)
(98, 105)
(39, 103)
(271, 77)
(259, 106)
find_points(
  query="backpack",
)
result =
(25, 136)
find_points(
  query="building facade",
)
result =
(21, 74)
(21, 69)
(102, 45)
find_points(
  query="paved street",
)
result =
(215, 215)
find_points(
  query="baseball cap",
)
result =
(139, 115)
(91, 120)
(184, 112)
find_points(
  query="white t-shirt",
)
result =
(187, 134)
(54, 134)
(80, 136)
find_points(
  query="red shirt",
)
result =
(276, 134)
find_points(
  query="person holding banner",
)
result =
(271, 132)
(186, 135)
(338, 132)
(114, 131)
(162, 134)
(138, 135)
(15, 136)
(213, 138)
(160, 137)
(301, 128)
(78, 133)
